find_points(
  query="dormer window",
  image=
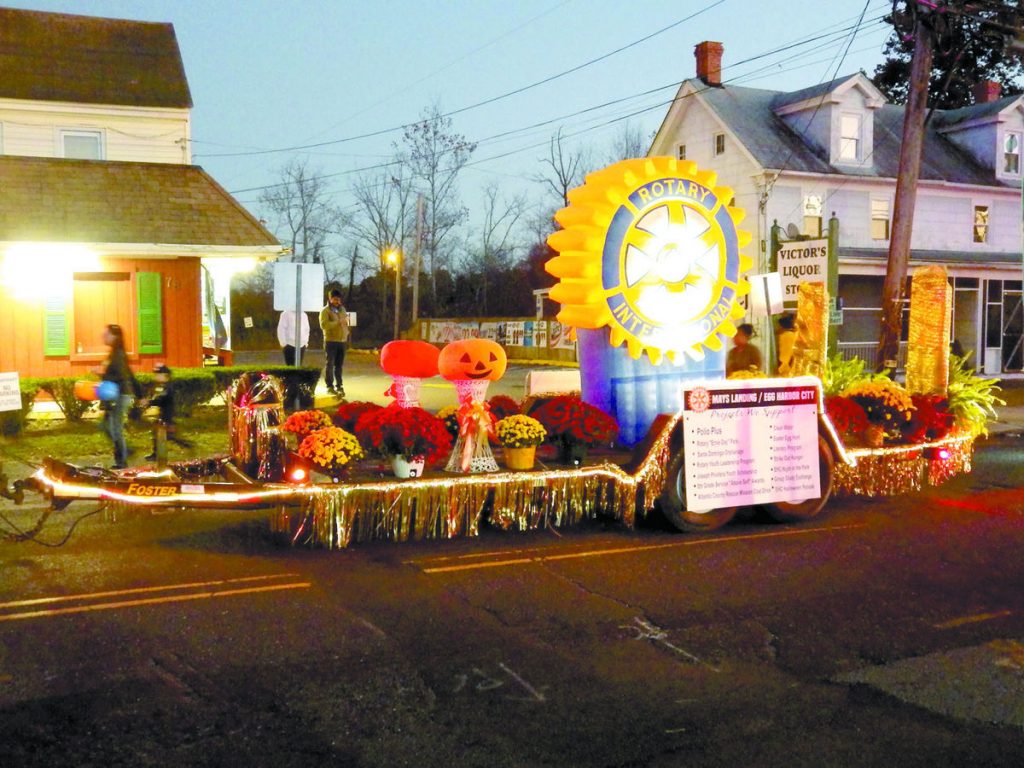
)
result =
(850, 137)
(1011, 153)
(981, 223)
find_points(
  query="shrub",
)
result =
(62, 390)
(972, 399)
(12, 422)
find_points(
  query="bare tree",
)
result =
(435, 156)
(496, 249)
(564, 168)
(627, 143)
(303, 215)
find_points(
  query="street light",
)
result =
(393, 259)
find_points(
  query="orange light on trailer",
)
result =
(298, 475)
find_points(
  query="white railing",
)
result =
(867, 350)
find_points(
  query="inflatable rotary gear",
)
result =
(651, 249)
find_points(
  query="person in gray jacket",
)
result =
(334, 324)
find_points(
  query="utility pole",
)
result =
(906, 191)
(416, 260)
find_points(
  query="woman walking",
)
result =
(116, 370)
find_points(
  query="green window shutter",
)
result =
(56, 327)
(151, 317)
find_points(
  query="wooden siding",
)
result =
(129, 135)
(21, 323)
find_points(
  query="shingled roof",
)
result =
(87, 60)
(750, 114)
(87, 201)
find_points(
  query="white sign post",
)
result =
(10, 392)
(751, 441)
(802, 261)
(299, 288)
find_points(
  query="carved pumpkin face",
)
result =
(479, 359)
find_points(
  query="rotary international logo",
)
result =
(650, 248)
(698, 399)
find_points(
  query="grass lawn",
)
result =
(84, 443)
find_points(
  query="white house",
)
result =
(798, 157)
(103, 218)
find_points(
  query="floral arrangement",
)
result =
(519, 431)
(303, 423)
(331, 448)
(753, 372)
(450, 416)
(972, 399)
(847, 415)
(348, 413)
(503, 405)
(886, 404)
(840, 374)
(409, 432)
(931, 419)
(568, 419)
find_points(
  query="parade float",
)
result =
(650, 266)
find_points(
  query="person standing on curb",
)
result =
(334, 323)
(116, 370)
(286, 335)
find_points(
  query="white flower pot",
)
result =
(404, 467)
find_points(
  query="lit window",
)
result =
(812, 216)
(849, 137)
(719, 144)
(981, 223)
(681, 152)
(82, 145)
(1011, 153)
(879, 219)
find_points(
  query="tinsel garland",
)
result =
(896, 470)
(931, 305)
(446, 507)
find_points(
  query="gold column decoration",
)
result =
(931, 305)
(811, 347)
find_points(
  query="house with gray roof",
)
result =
(798, 158)
(103, 217)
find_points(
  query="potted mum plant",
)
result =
(574, 425)
(332, 450)
(304, 423)
(409, 437)
(519, 436)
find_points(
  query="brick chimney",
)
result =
(986, 91)
(709, 62)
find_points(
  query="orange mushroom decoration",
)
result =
(408, 362)
(471, 364)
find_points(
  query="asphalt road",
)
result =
(887, 633)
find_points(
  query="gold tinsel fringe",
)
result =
(903, 469)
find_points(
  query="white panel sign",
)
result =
(10, 392)
(765, 294)
(286, 274)
(803, 261)
(751, 441)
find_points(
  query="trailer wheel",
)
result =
(795, 512)
(672, 503)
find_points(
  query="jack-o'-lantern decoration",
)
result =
(407, 362)
(473, 360)
(471, 364)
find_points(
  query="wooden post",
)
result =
(906, 192)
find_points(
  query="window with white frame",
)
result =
(1011, 153)
(981, 223)
(849, 137)
(879, 219)
(680, 151)
(81, 145)
(719, 144)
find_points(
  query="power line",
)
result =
(478, 104)
(840, 33)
